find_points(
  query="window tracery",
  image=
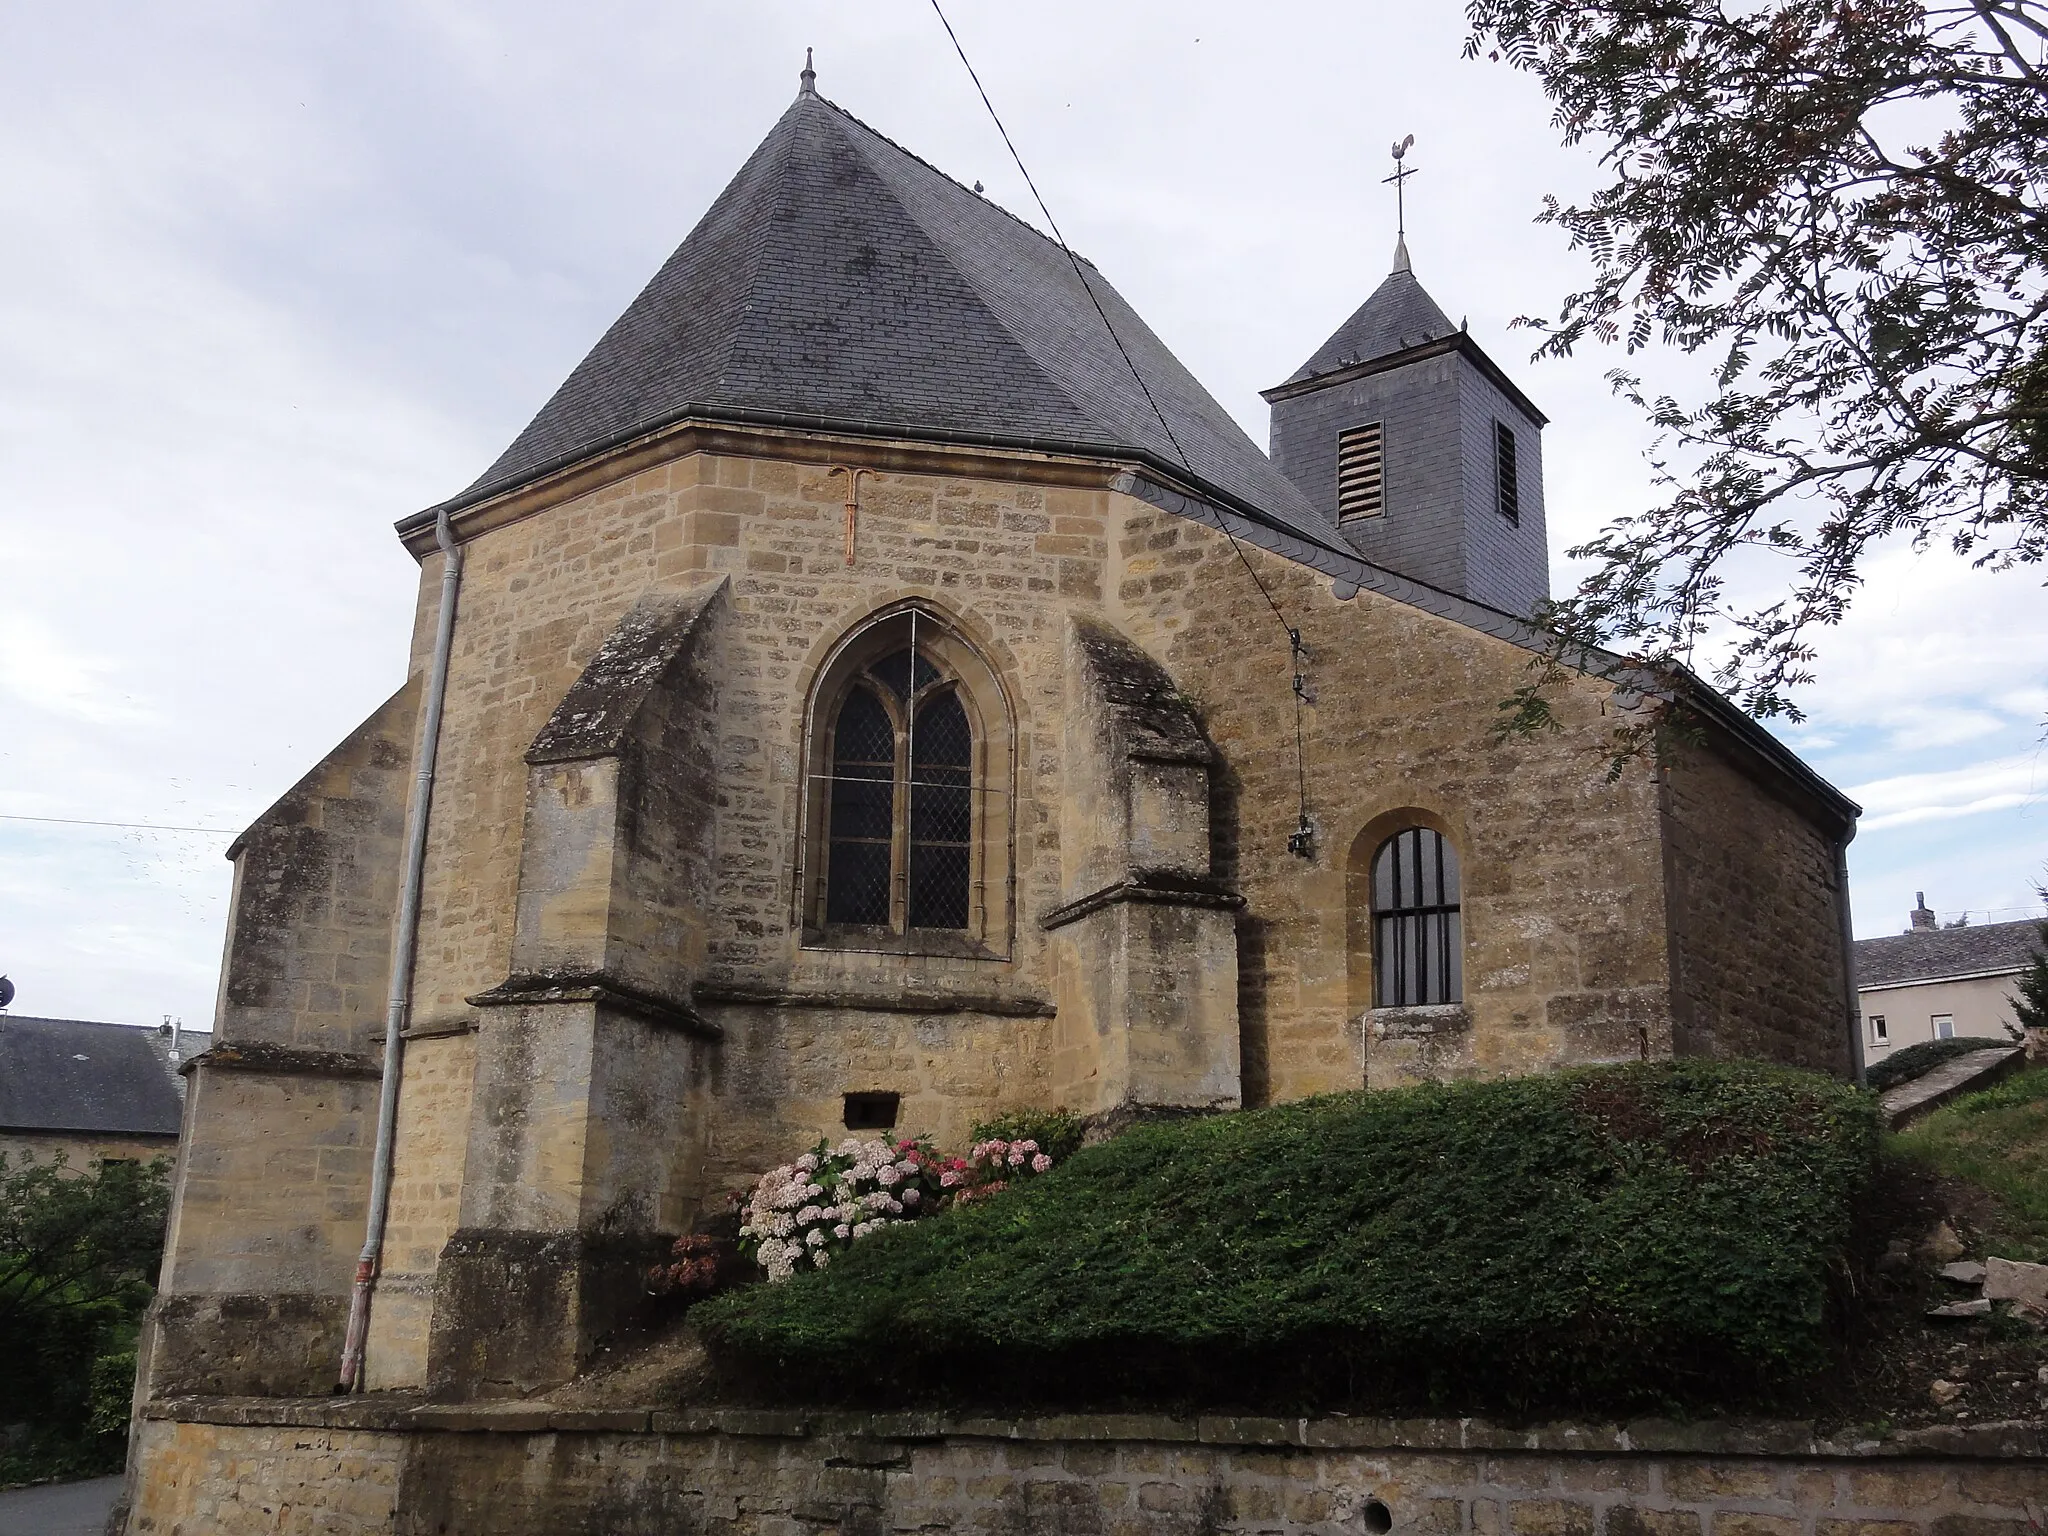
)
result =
(908, 803)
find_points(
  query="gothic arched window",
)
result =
(909, 796)
(1417, 945)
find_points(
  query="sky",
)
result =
(277, 275)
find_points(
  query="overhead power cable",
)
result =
(132, 826)
(1301, 841)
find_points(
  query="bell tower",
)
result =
(1412, 441)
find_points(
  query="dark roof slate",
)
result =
(1925, 954)
(840, 279)
(1399, 315)
(77, 1075)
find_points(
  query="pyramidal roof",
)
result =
(1399, 315)
(840, 282)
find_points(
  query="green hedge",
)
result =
(1658, 1234)
(1912, 1060)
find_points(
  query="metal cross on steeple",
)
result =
(1402, 171)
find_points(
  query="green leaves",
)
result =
(79, 1251)
(1624, 1235)
(1879, 304)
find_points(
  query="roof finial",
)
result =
(807, 82)
(1402, 171)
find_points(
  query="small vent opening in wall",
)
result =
(1508, 485)
(872, 1111)
(1361, 472)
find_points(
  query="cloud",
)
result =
(1999, 785)
(39, 669)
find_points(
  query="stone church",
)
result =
(864, 697)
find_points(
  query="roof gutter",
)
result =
(404, 945)
(1937, 981)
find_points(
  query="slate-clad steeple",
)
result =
(1438, 454)
(839, 282)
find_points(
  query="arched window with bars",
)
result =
(909, 797)
(1417, 937)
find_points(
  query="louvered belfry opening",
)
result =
(1506, 475)
(1417, 940)
(1361, 471)
(901, 784)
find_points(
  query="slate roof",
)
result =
(841, 282)
(1927, 954)
(76, 1075)
(1399, 315)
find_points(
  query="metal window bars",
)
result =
(1417, 931)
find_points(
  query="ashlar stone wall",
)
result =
(617, 1015)
(1565, 939)
(523, 1470)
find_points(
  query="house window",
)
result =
(1879, 1035)
(1361, 472)
(1506, 481)
(1418, 948)
(1944, 1026)
(907, 816)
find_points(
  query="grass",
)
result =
(1996, 1139)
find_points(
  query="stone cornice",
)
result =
(679, 439)
(2010, 1440)
(284, 1061)
(1144, 888)
(853, 1000)
(520, 991)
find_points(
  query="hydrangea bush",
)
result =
(800, 1214)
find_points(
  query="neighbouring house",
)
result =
(1935, 983)
(90, 1091)
(866, 707)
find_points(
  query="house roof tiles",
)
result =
(78, 1075)
(1929, 954)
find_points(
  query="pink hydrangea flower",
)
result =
(1040, 1163)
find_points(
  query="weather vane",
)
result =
(1402, 171)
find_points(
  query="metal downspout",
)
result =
(404, 942)
(1855, 1002)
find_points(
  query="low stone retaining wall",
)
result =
(225, 1467)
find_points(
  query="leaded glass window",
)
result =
(900, 838)
(863, 801)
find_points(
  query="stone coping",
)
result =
(1953, 1078)
(2017, 1439)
